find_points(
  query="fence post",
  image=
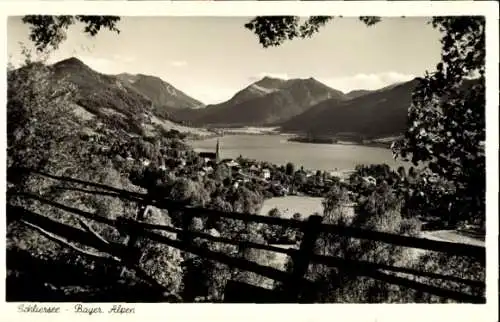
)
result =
(187, 219)
(133, 236)
(301, 258)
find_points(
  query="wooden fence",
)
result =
(129, 255)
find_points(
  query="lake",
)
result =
(276, 149)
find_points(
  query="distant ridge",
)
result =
(110, 101)
(265, 102)
(366, 114)
(161, 93)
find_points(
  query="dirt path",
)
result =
(453, 236)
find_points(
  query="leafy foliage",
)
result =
(163, 263)
(379, 212)
(49, 31)
(447, 121)
(274, 30)
(457, 266)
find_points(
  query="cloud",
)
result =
(178, 63)
(272, 75)
(365, 81)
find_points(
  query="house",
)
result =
(370, 180)
(280, 189)
(232, 163)
(207, 156)
(434, 178)
(208, 169)
(210, 156)
(214, 232)
(266, 173)
(309, 174)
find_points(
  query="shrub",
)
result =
(380, 211)
(160, 261)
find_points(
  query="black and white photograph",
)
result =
(246, 159)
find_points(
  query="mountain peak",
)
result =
(270, 82)
(311, 81)
(161, 93)
(268, 78)
(71, 61)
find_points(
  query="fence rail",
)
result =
(128, 255)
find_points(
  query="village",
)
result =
(273, 180)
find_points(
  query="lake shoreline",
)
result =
(372, 144)
(256, 131)
(277, 149)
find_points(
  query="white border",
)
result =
(326, 312)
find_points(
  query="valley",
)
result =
(254, 173)
(144, 105)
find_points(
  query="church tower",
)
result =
(217, 154)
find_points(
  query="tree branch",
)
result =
(92, 231)
(68, 244)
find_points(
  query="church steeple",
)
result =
(217, 155)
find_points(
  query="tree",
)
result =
(446, 122)
(47, 32)
(290, 169)
(275, 213)
(222, 172)
(273, 31)
(37, 117)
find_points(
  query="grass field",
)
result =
(289, 205)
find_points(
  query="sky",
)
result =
(211, 58)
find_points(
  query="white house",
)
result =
(208, 169)
(232, 163)
(214, 232)
(370, 180)
(266, 173)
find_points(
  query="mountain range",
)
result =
(161, 93)
(371, 114)
(139, 103)
(268, 101)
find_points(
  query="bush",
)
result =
(162, 262)
(411, 227)
(380, 211)
(441, 263)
